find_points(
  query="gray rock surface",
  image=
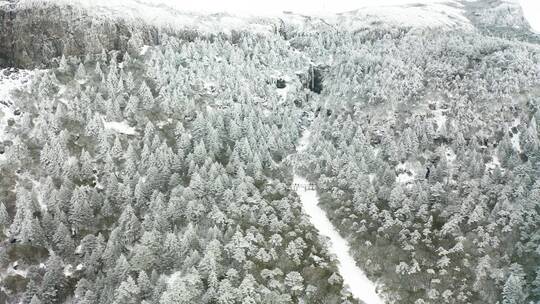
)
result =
(33, 37)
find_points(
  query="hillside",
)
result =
(157, 160)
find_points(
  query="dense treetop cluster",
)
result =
(431, 167)
(161, 174)
(154, 176)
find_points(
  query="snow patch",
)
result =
(405, 178)
(450, 156)
(405, 173)
(304, 141)
(421, 15)
(165, 14)
(515, 137)
(440, 120)
(37, 186)
(494, 163)
(282, 93)
(10, 81)
(68, 270)
(119, 127)
(13, 269)
(214, 16)
(144, 49)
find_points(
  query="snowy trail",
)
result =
(359, 285)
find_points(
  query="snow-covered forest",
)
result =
(163, 162)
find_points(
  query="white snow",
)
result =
(421, 15)
(450, 156)
(282, 93)
(10, 270)
(404, 178)
(494, 163)
(12, 81)
(15, 80)
(37, 186)
(406, 172)
(260, 17)
(440, 119)
(166, 14)
(531, 12)
(144, 49)
(68, 270)
(241, 7)
(515, 137)
(515, 142)
(225, 16)
(360, 286)
(304, 141)
(119, 127)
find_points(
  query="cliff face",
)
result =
(32, 37)
(6, 35)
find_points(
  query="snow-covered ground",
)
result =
(119, 127)
(304, 141)
(226, 16)
(449, 14)
(406, 173)
(360, 286)
(11, 80)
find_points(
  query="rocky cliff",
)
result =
(33, 36)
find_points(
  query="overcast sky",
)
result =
(531, 9)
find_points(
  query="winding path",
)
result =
(359, 285)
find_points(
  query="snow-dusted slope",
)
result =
(360, 286)
(163, 15)
(262, 18)
(11, 80)
(225, 16)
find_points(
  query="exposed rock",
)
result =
(281, 83)
(316, 75)
(33, 37)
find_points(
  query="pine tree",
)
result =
(63, 243)
(129, 225)
(145, 286)
(183, 289)
(53, 284)
(513, 292)
(86, 170)
(80, 75)
(4, 217)
(146, 97)
(116, 150)
(127, 292)
(63, 66)
(35, 300)
(81, 214)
